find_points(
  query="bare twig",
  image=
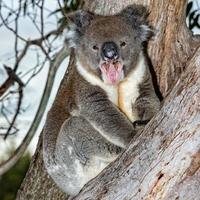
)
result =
(42, 18)
(12, 77)
(38, 42)
(62, 10)
(9, 28)
(54, 65)
(16, 35)
(20, 90)
(11, 73)
(35, 71)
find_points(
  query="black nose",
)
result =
(109, 50)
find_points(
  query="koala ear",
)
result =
(81, 19)
(137, 15)
(146, 32)
(78, 22)
(138, 12)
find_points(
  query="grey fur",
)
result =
(97, 131)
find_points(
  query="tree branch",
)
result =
(20, 91)
(148, 168)
(38, 42)
(54, 65)
(12, 77)
(178, 43)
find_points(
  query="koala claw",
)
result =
(140, 122)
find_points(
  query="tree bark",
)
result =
(163, 162)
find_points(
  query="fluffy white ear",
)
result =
(80, 19)
(71, 37)
(78, 22)
(146, 32)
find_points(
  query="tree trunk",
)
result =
(163, 162)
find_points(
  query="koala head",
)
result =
(109, 46)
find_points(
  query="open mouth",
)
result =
(112, 71)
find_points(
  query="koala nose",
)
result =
(109, 50)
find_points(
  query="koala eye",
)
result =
(122, 44)
(95, 48)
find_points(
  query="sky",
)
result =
(34, 90)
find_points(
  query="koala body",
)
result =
(110, 89)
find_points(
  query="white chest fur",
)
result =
(111, 90)
(128, 90)
(125, 93)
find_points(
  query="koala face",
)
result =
(108, 46)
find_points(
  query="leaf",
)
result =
(189, 7)
(192, 19)
(25, 8)
(54, 12)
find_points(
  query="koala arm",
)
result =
(106, 118)
(147, 104)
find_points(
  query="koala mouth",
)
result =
(112, 71)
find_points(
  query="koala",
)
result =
(111, 91)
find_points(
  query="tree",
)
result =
(46, 49)
(163, 162)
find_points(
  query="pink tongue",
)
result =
(112, 74)
(112, 71)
